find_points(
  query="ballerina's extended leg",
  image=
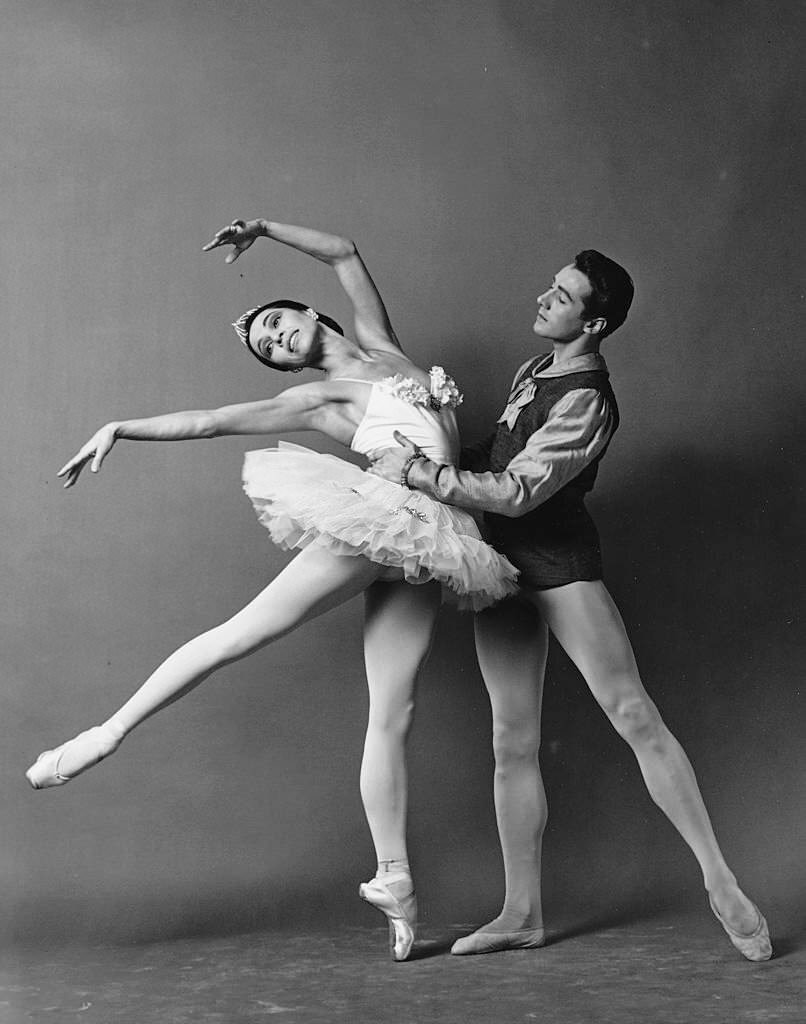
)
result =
(312, 583)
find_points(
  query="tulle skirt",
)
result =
(305, 498)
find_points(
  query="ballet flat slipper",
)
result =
(756, 946)
(400, 909)
(496, 942)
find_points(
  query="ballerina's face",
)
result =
(288, 337)
(561, 312)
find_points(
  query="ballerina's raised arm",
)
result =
(372, 328)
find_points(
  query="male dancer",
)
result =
(530, 478)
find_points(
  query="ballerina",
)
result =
(355, 533)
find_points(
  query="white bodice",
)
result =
(402, 403)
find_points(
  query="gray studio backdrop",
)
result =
(471, 148)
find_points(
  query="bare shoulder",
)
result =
(333, 407)
(317, 393)
(383, 363)
(377, 341)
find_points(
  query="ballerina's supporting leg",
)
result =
(314, 582)
(398, 627)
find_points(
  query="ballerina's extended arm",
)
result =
(322, 406)
(371, 321)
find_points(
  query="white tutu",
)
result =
(303, 497)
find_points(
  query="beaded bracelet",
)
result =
(404, 472)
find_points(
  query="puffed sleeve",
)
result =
(576, 431)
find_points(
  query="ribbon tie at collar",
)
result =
(522, 394)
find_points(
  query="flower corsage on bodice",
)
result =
(442, 392)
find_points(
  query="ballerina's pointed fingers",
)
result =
(71, 471)
(74, 464)
(226, 236)
(219, 238)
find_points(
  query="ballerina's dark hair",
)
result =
(244, 322)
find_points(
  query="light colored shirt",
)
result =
(576, 431)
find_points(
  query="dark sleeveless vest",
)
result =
(556, 543)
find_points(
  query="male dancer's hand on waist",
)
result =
(394, 463)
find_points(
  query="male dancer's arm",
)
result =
(576, 431)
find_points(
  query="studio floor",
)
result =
(667, 968)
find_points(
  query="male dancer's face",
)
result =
(561, 308)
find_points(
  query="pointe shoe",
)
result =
(756, 946)
(495, 942)
(394, 896)
(100, 742)
(44, 772)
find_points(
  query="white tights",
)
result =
(398, 629)
(512, 643)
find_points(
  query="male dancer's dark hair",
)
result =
(612, 288)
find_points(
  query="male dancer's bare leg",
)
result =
(314, 582)
(586, 622)
(512, 643)
(398, 627)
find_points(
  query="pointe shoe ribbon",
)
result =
(756, 946)
(496, 942)
(394, 896)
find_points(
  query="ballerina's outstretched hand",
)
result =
(96, 449)
(240, 234)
